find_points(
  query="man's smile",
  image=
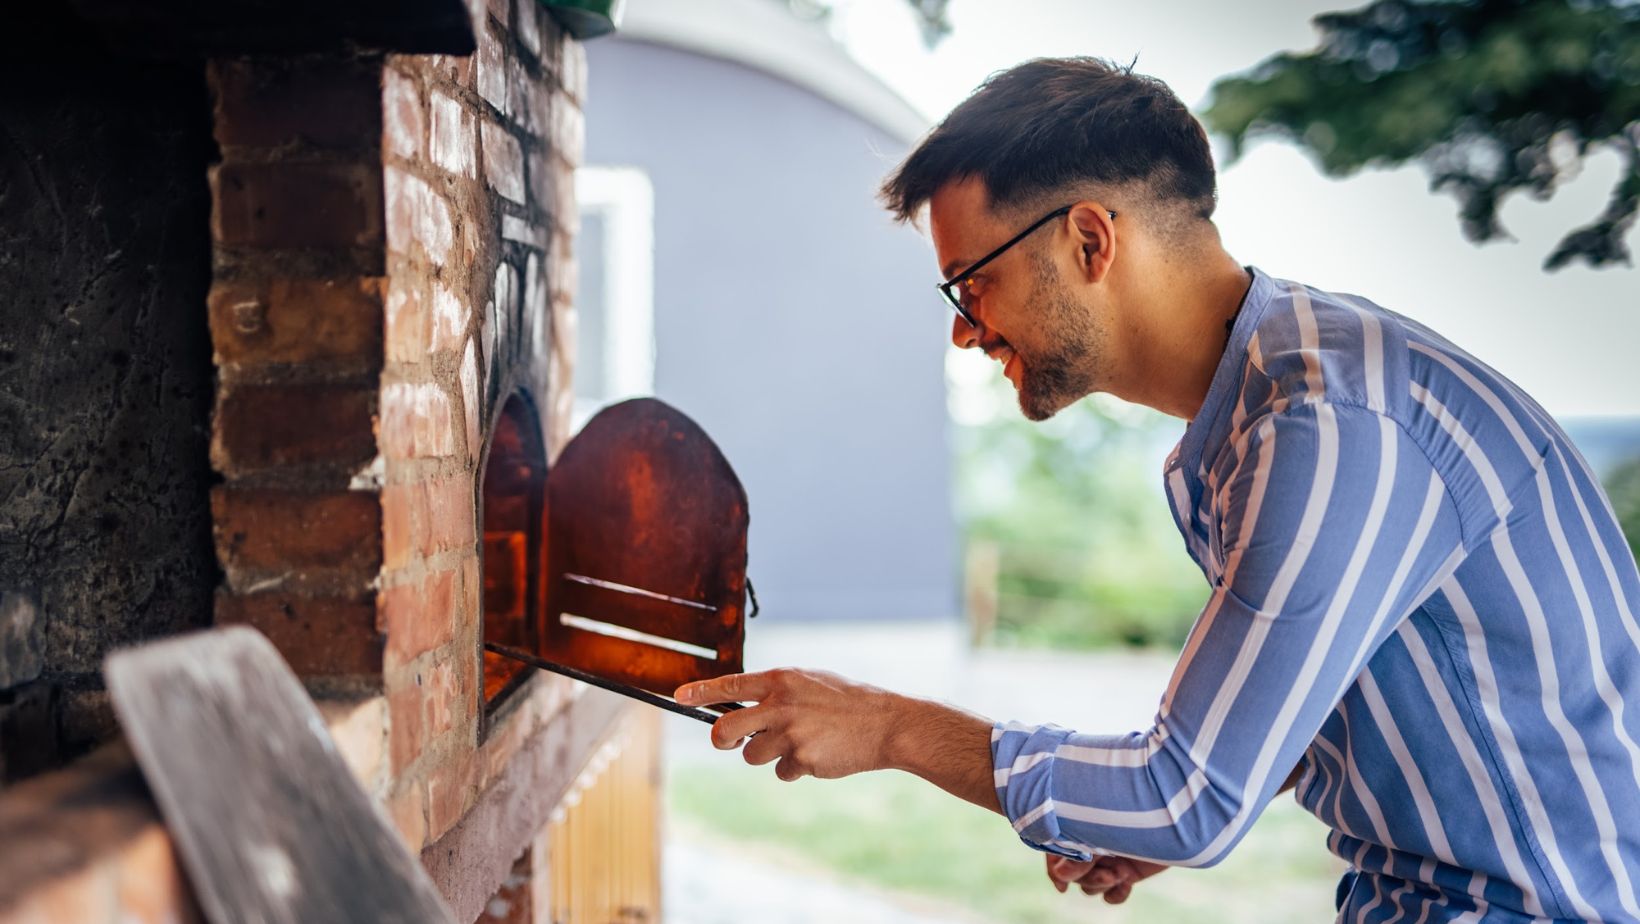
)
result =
(1004, 354)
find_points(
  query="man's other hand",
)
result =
(1112, 877)
(812, 722)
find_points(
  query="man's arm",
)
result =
(820, 724)
(1331, 523)
(944, 745)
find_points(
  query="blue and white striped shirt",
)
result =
(1421, 597)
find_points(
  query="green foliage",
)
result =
(1088, 553)
(1623, 488)
(898, 833)
(1493, 96)
(931, 19)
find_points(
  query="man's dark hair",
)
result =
(1035, 129)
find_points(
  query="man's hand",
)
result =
(1112, 877)
(812, 722)
(819, 724)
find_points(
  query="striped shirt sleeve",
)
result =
(1332, 527)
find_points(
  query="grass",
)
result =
(900, 834)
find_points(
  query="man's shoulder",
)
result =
(1313, 346)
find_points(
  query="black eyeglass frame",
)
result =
(948, 288)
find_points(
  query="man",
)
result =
(1422, 611)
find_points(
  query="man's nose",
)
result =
(963, 334)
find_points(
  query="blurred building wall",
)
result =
(794, 320)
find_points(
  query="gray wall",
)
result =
(795, 322)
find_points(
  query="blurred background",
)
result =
(909, 527)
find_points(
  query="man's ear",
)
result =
(1094, 232)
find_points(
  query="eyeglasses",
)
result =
(952, 288)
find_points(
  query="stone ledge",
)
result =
(85, 844)
(473, 858)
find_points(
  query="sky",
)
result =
(1570, 338)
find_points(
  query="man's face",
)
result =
(1028, 317)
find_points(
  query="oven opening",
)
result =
(513, 511)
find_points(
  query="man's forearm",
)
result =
(951, 748)
(945, 746)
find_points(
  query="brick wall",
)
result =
(295, 306)
(367, 349)
(478, 158)
(392, 265)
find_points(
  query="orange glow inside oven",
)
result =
(513, 510)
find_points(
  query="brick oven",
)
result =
(288, 341)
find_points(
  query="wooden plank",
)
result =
(270, 824)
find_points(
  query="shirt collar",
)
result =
(1227, 377)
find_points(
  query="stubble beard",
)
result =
(1065, 371)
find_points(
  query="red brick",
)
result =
(572, 69)
(407, 731)
(537, 300)
(260, 530)
(260, 427)
(568, 135)
(427, 705)
(561, 268)
(407, 325)
(407, 806)
(457, 69)
(417, 215)
(451, 141)
(419, 616)
(425, 518)
(286, 204)
(491, 68)
(404, 123)
(528, 28)
(322, 636)
(449, 320)
(398, 525)
(286, 321)
(449, 518)
(543, 181)
(503, 162)
(564, 211)
(452, 787)
(327, 101)
(417, 421)
(517, 229)
(553, 42)
(472, 400)
(527, 99)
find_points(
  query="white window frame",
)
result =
(624, 200)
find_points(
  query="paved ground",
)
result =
(716, 882)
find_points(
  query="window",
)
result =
(615, 300)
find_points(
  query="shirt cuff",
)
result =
(1022, 758)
